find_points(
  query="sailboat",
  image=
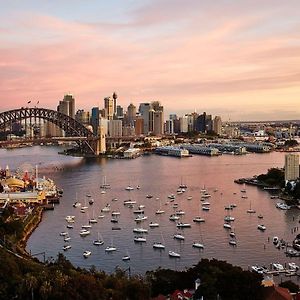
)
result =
(93, 220)
(159, 245)
(126, 257)
(159, 211)
(228, 218)
(250, 210)
(110, 248)
(174, 254)
(182, 185)
(98, 241)
(198, 219)
(104, 184)
(76, 203)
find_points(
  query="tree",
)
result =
(291, 286)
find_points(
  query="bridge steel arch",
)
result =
(68, 124)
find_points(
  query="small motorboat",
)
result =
(261, 227)
(86, 253)
(67, 247)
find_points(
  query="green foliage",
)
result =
(217, 278)
(291, 286)
(23, 279)
(274, 177)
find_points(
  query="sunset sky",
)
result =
(237, 59)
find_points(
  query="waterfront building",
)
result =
(217, 125)
(132, 153)
(172, 151)
(114, 128)
(200, 149)
(23, 197)
(291, 167)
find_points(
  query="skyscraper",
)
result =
(217, 125)
(67, 106)
(144, 112)
(95, 119)
(291, 167)
(131, 113)
(109, 107)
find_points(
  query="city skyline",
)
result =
(238, 60)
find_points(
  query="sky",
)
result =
(239, 59)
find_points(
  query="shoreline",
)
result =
(33, 224)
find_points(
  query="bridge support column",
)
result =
(101, 142)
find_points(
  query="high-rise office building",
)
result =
(144, 112)
(184, 127)
(95, 119)
(120, 112)
(114, 128)
(109, 107)
(158, 123)
(139, 125)
(131, 113)
(217, 125)
(291, 167)
(169, 127)
(67, 106)
(82, 116)
(201, 123)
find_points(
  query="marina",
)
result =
(253, 246)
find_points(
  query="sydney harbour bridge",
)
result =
(88, 142)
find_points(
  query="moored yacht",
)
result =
(261, 227)
(158, 245)
(174, 254)
(140, 239)
(178, 236)
(66, 247)
(198, 219)
(86, 253)
(183, 225)
(198, 245)
(153, 224)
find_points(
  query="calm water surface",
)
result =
(159, 176)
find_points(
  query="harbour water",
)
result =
(159, 176)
